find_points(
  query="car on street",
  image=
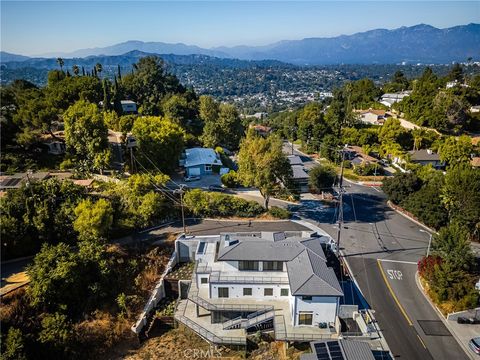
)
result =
(475, 345)
(216, 188)
(191, 178)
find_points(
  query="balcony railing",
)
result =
(216, 277)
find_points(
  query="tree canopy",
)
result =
(262, 164)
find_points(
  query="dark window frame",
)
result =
(247, 265)
(221, 294)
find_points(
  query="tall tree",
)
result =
(94, 220)
(86, 135)
(76, 70)
(263, 164)
(160, 140)
(461, 196)
(98, 69)
(60, 63)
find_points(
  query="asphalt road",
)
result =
(372, 230)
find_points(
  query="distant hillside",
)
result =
(129, 58)
(5, 56)
(416, 44)
(148, 47)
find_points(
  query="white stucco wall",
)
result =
(324, 309)
(235, 291)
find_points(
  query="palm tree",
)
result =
(418, 136)
(60, 62)
(76, 69)
(98, 67)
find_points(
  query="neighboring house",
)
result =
(15, 181)
(55, 147)
(300, 176)
(260, 281)
(257, 115)
(343, 349)
(261, 129)
(372, 116)
(357, 157)
(129, 106)
(54, 142)
(391, 98)
(425, 157)
(201, 161)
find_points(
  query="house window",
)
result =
(248, 265)
(305, 318)
(272, 266)
(223, 292)
(306, 298)
(247, 291)
(283, 292)
(268, 292)
(203, 280)
(208, 167)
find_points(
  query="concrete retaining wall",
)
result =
(158, 293)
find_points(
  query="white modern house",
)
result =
(260, 281)
(389, 99)
(372, 116)
(129, 106)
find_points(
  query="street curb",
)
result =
(444, 320)
(390, 205)
(18, 259)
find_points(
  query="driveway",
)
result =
(204, 182)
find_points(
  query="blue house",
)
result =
(201, 161)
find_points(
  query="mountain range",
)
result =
(415, 44)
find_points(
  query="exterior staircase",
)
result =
(253, 319)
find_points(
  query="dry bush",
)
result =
(103, 331)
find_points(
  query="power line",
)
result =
(155, 185)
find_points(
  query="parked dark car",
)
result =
(468, 320)
(216, 188)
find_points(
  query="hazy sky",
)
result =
(36, 27)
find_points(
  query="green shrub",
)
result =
(66, 164)
(205, 204)
(230, 180)
(321, 178)
(279, 213)
(368, 170)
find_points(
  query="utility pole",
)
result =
(181, 191)
(340, 204)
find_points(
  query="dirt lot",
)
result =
(181, 343)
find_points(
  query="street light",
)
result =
(429, 240)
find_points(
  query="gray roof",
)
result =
(299, 172)
(295, 160)
(261, 250)
(351, 350)
(309, 275)
(201, 156)
(356, 350)
(423, 155)
(307, 269)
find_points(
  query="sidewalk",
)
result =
(462, 333)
